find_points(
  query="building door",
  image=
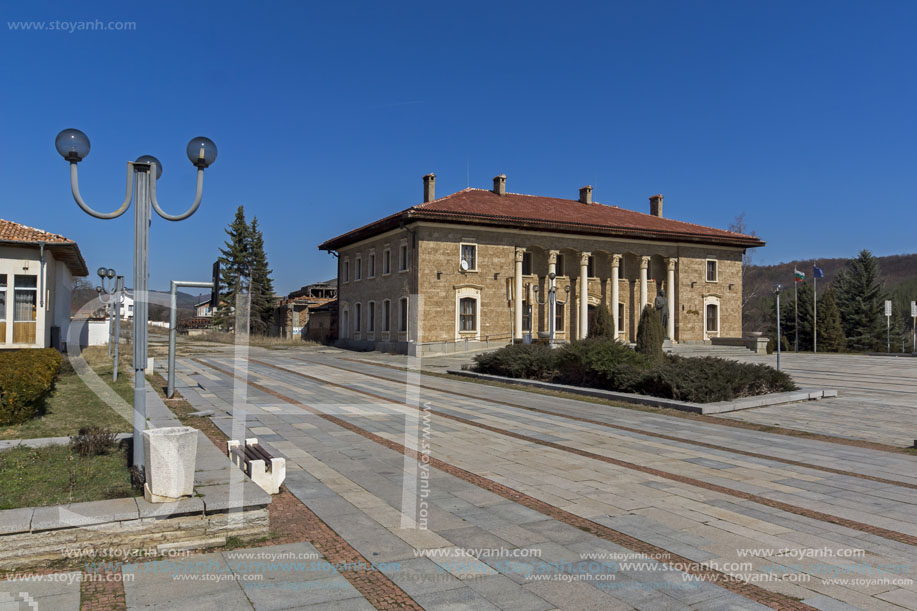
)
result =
(590, 319)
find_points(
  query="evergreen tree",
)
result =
(830, 331)
(262, 286)
(650, 334)
(861, 301)
(602, 323)
(235, 265)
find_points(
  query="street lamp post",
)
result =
(552, 302)
(73, 145)
(779, 338)
(119, 291)
(109, 273)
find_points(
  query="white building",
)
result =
(36, 280)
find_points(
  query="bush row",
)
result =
(26, 377)
(611, 365)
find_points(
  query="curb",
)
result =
(720, 407)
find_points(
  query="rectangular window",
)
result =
(590, 267)
(371, 265)
(711, 270)
(371, 323)
(559, 267)
(2, 308)
(559, 318)
(403, 315)
(620, 318)
(526, 316)
(712, 316)
(25, 310)
(403, 258)
(468, 314)
(386, 315)
(346, 273)
(386, 262)
(358, 269)
(470, 256)
(357, 316)
(527, 264)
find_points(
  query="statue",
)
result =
(662, 308)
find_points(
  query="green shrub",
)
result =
(534, 361)
(709, 379)
(26, 377)
(602, 325)
(650, 334)
(599, 362)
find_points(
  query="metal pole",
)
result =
(796, 300)
(173, 308)
(111, 323)
(119, 289)
(815, 320)
(888, 334)
(141, 283)
(779, 337)
(914, 327)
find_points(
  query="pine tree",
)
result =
(235, 266)
(602, 323)
(861, 302)
(650, 334)
(262, 286)
(830, 331)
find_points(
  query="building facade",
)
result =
(37, 269)
(473, 269)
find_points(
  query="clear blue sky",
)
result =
(326, 115)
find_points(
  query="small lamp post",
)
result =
(552, 302)
(73, 145)
(779, 337)
(101, 290)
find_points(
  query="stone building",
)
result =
(472, 269)
(293, 314)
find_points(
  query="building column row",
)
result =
(670, 295)
(615, 291)
(584, 294)
(517, 296)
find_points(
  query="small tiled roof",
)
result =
(533, 212)
(64, 249)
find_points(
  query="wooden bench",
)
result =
(263, 469)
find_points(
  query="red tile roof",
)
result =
(533, 212)
(64, 249)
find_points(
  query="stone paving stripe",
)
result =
(761, 500)
(629, 429)
(102, 588)
(750, 591)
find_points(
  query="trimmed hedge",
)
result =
(26, 377)
(611, 365)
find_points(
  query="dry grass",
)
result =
(261, 341)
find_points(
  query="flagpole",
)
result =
(815, 319)
(796, 300)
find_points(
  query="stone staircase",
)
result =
(721, 351)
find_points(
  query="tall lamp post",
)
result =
(552, 302)
(73, 145)
(109, 273)
(779, 338)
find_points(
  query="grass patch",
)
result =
(54, 475)
(72, 405)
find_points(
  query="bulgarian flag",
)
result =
(798, 276)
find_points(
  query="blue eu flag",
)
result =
(817, 272)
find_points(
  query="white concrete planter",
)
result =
(170, 455)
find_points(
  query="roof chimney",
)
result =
(500, 184)
(656, 205)
(429, 188)
(585, 194)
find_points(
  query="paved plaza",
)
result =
(565, 503)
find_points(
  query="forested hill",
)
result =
(897, 272)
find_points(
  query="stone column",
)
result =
(552, 305)
(670, 295)
(644, 264)
(584, 295)
(615, 291)
(517, 297)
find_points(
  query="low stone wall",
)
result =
(125, 528)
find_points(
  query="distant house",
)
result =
(37, 269)
(293, 314)
(202, 309)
